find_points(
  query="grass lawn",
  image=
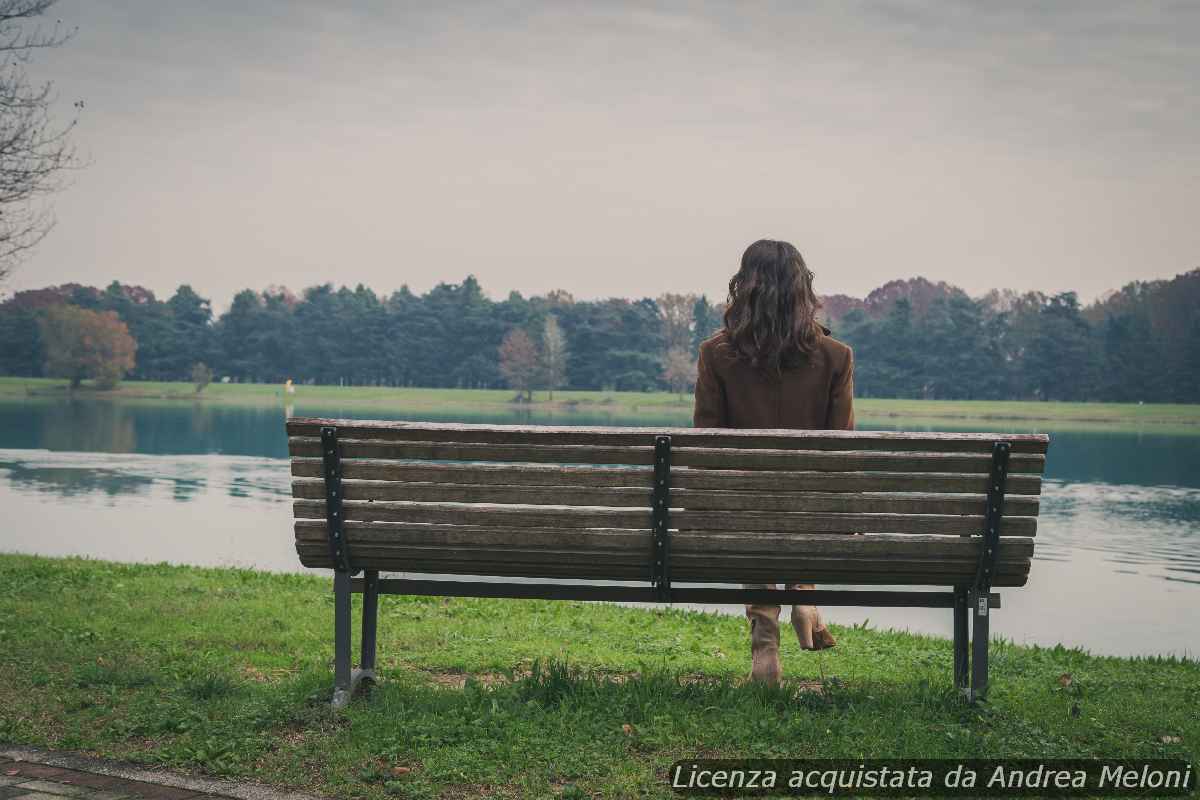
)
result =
(228, 672)
(1164, 418)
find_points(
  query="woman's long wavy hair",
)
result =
(771, 313)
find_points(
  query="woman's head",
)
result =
(771, 313)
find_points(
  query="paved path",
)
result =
(29, 774)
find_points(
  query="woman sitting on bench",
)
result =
(773, 365)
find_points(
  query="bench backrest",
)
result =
(745, 506)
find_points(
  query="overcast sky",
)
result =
(612, 149)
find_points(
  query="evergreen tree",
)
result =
(1060, 361)
(706, 320)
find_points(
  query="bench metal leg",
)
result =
(342, 680)
(979, 646)
(345, 678)
(370, 622)
(962, 638)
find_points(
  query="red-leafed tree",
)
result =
(82, 344)
(519, 362)
(679, 369)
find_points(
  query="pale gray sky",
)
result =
(626, 149)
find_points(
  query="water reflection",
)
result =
(182, 478)
(175, 428)
(68, 481)
(1152, 530)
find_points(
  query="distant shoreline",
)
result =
(657, 405)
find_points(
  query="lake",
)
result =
(1117, 564)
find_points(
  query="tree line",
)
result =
(912, 339)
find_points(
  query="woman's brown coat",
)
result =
(817, 395)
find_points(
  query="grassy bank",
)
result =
(228, 672)
(629, 405)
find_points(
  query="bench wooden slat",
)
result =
(683, 478)
(730, 566)
(683, 542)
(585, 570)
(894, 578)
(534, 571)
(718, 458)
(681, 437)
(633, 497)
(493, 569)
(684, 519)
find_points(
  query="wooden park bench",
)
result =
(665, 511)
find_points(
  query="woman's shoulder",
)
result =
(717, 348)
(837, 353)
(834, 347)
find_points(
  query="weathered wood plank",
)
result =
(682, 478)
(774, 481)
(803, 575)
(575, 571)
(719, 564)
(871, 545)
(489, 555)
(631, 497)
(586, 571)
(638, 542)
(846, 502)
(741, 563)
(682, 542)
(430, 491)
(712, 458)
(848, 461)
(685, 519)
(481, 473)
(730, 567)
(681, 437)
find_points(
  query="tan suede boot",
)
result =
(810, 628)
(764, 649)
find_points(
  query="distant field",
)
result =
(1184, 418)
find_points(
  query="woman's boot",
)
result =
(810, 628)
(764, 644)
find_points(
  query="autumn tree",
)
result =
(33, 150)
(554, 355)
(679, 369)
(677, 312)
(520, 362)
(82, 344)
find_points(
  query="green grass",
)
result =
(228, 672)
(1161, 417)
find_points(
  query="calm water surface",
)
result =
(1117, 565)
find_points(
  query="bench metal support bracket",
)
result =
(345, 677)
(975, 601)
(995, 509)
(660, 507)
(331, 458)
